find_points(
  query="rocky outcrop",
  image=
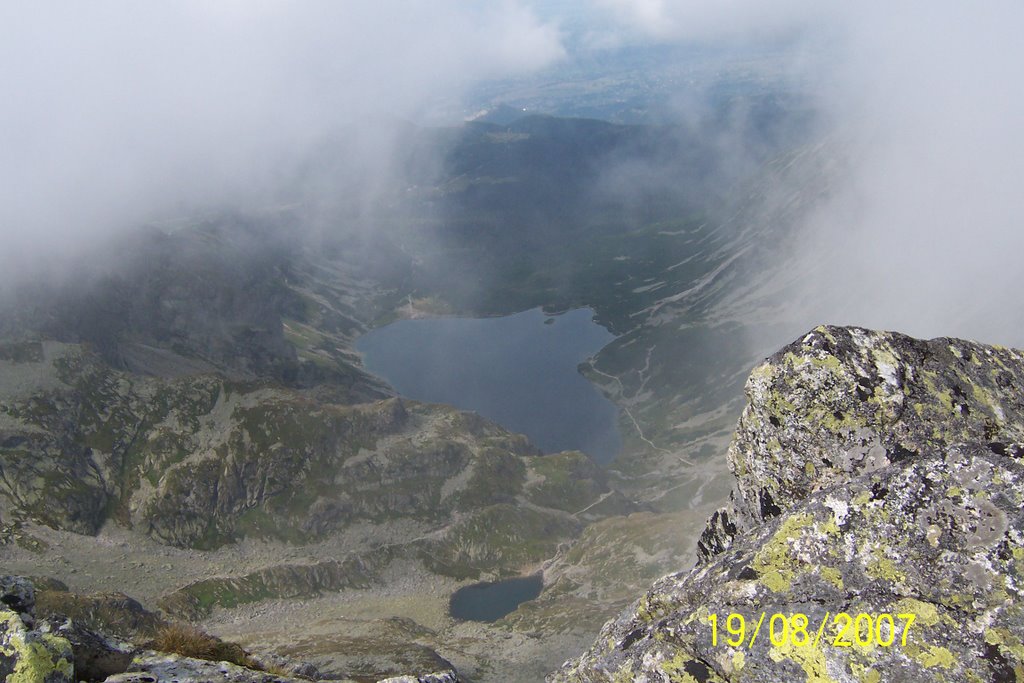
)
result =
(443, 677)
(96, 656)
(156, 667)
(203, 461)
(26, 653)
(38, 645)
(18, 594)
(31, 655)
(877, 475)
(285, 581)
(113, 613)
(846, 401)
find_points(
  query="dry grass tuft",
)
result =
(189, 641)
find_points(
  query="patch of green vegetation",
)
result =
(259, 522)
(497, 477)
(568, 481)
(289, 581)
(185, 401)
(501, 538)
(22, 352)
(42, 410)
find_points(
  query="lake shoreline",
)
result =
(520, 371)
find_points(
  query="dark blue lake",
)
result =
(518, 370)
(492, 601)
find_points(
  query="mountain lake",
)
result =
(493, 600)
(518, 370)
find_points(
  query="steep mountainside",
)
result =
(679, 248)
(875, 475)
(203, 461)
(183, 411)
(205, 493)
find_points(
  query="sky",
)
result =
(117, 113)
(120, 112)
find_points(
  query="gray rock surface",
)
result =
(32, 655)
(443, 677)
(96, 656)
(876, 475)
(28, 654)
(155, 667)
(845, 401)
(81, 648)
(19, 595)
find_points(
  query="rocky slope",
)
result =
(203, 461)
(54, 636)
(205, 493)
(101, 437)
(875, 474)
(184, 413)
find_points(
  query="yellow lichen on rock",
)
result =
(33, 657)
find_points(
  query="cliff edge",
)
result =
(875, 531)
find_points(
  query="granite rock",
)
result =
(877, 475)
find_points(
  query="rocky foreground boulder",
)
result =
(40, 643)
(875, 532)
(27, 653)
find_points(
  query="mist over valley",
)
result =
(371, 340)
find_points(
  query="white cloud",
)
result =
(116, 111)
(705, 21)
(924, 231)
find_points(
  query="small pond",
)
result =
(492, 601)
(518, 370)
